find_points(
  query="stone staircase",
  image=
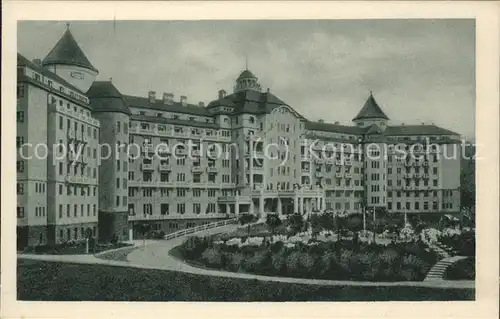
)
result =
(437, 271)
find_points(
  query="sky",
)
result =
(420, 71)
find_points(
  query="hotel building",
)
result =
(176, 165)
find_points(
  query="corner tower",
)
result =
(68, 61)
(110, 108)
(371, 114)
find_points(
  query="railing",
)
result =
(165, 167)
(192, 230)
(173, 134)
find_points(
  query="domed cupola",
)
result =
(247, 81)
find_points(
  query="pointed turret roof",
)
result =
(68, 52)
(371, 110)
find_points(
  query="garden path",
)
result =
(155, 255)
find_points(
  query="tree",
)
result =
(273, 221)
(355, 224)
(295, 222)
(327, 221)
(246, 219)
(315, 221)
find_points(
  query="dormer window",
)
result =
(252, 120)
(159, 115)
(142, 113)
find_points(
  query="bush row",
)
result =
(341, 260)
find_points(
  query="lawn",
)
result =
(51, 281)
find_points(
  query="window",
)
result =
(181, 208)
(20, 117)
(164, 209)
(20, 166)
(117, 182)
(20, 212)
(20, 188)
(196, 208)
(20, 91)
(75, 212)
(117, 200)
(117, 127)
(60, 210)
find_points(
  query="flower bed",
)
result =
(339, 260)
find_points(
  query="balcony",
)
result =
(71, 134)
(319, 174)
(180, 152)
(258, 169)
(416, 175)
(306, 169)
(85, 159)
(195, 153)
(147, 148)
(78, 180)
(338, 175)
(348, 163)
(147, 167)
(165, 168)
(330, 161)
(426, 176)
(72, 156)
(212, 170)
(425, 163)
(85, 138)
(348, 175)
(196, 169)
(338, 162)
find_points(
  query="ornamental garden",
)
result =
(328, 246)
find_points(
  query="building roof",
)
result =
(246, 74)
(417, 130)
(250, 101)
(68, 52)
(334, 128)
(371, 110)
(105, 97)
(23, 61)
(163, 120)
(175, 107)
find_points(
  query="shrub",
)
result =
(413, 268)
(235, 262)
(246, 218)
(277, 246)
(212, 257)
(260, 262)
(193, 247)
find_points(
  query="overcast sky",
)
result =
(419, 70)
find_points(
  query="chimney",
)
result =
(183, 100)
(336, 123)
(201, 104)
(37, 62)
(168, 98)
(152, 97)
(222, 94)
(321, 121)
